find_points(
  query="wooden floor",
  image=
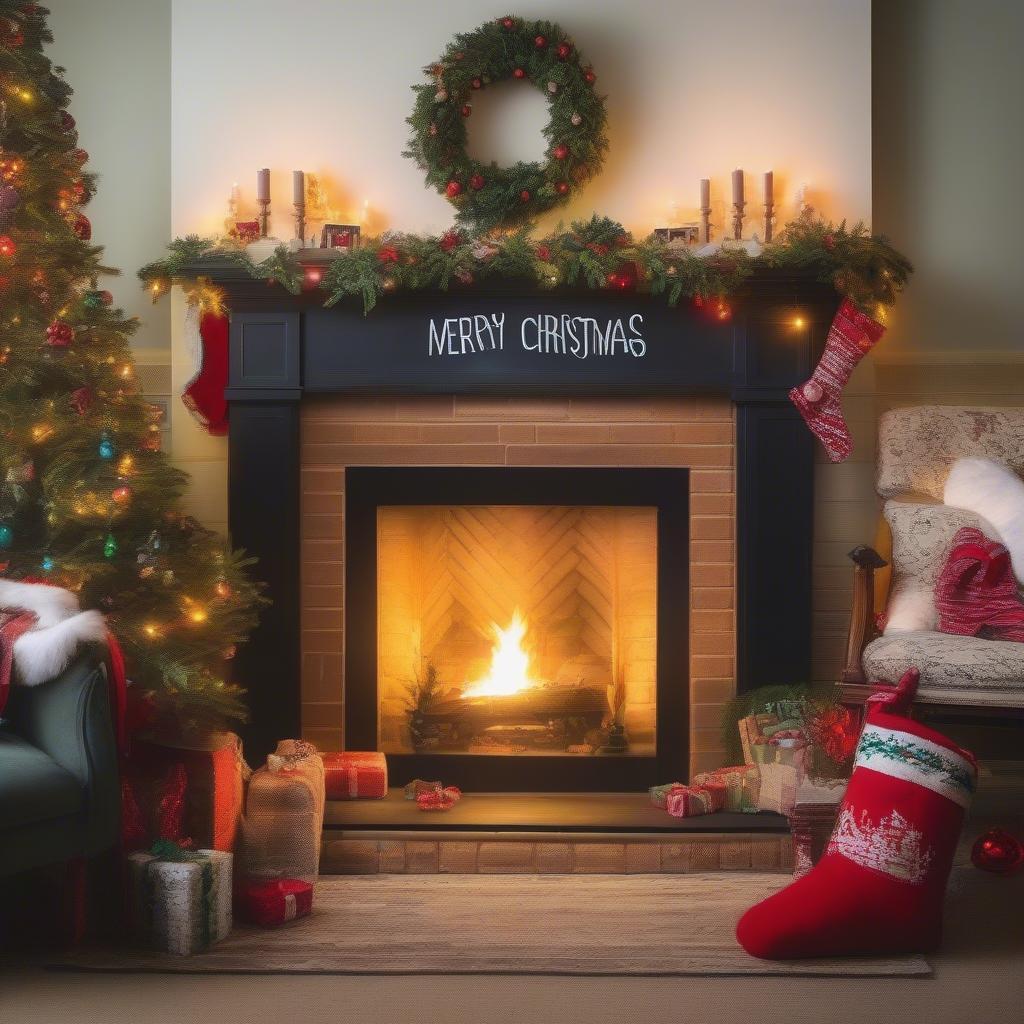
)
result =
(538, 812)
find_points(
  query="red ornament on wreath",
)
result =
(589, 77)
(563, 51)
(524, 196)
(543, 254)
(997, 851)
(466, 110)
(560, 152)
(540, 42)
(453, 189)
(477, 182)
(387, 254)
(519, 73)
(476, 84)
(508, 23)
(562, 188)
(59, 334)
(449, 240)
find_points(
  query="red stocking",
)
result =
(879, 887)
(852, 335)
(204, 393)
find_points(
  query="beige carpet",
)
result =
(675, 925)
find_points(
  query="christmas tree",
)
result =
(87, 499)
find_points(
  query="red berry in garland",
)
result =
(508, 23)
(476, 182)
(540, 42)
(562, 188)
(560, 152)
(466, 110)
(563, 51)
(387, 254)
(452, 189)
(543, 254)
(476, 83)
(524, 196)
(589, 77)
(519, 73)
(449, 240)
(59, 334)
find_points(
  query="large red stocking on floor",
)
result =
(879, 888)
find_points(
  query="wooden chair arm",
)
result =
(862, 615)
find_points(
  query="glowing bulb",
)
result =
(25, 95)
(151, 630)
(223, 589)
(155, 288)
(197, 616)
(798, 323)
(126, 466)
(41, 431)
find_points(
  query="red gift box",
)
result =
(355, 775)
(274, 902)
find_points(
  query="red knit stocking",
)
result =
(879, 887)
(852, 335)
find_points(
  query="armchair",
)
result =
(59, 785)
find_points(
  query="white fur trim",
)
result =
(41, 654)
(993, 491)
(50, 604)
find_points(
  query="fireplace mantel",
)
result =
(285, 347)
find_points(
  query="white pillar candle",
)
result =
(705, 193)
(737, 187)
(298, 188)
(263, 185)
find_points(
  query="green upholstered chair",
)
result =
(59, 785)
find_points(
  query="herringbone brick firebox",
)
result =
(696, 433)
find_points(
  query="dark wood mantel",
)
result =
(283, 347)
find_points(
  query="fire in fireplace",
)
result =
(528, 633)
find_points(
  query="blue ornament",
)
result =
(106, 448)
(47, 563)
(6, 536)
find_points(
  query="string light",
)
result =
(798, 323)
(126, 465)
(41, 431)
(223, 589)
(151, 630)
(197, 616)
(7, 247)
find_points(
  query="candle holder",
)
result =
(264, 217)
(737, 220)
(705, 224)
(769, 220)
(300, 223)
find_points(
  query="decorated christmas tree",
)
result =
(88, 501)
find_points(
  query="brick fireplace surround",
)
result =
(698, 433)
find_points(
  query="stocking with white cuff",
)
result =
(880, 885)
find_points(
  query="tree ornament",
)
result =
(81, 227)
(560, 152)
(515, 194)
(387, 254)
(79, 156)
(222, 589)
(106, 448)
(576, 119)
(589, 77)
(7, 247)
(997, 851)
(110, 546)
(122, 494)
(12, 36)
(96, 299)
(47, 563)
(450, 239)
(6, 536)
(65, 121)
(59, 334)
(441, 96)
(82, 399)
(562, 188)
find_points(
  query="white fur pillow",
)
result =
(922, 537)
(994, 492)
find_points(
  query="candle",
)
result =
(769, 182)
(234, 192)
(298, 188)
(737, 187)
(705, 193)
(263, 185)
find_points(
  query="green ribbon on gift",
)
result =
(167, 849)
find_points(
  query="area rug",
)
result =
(646, 925)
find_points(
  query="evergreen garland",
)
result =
(487, 196)
(597, 254)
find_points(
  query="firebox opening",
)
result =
(517, 630)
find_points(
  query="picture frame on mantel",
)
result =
(339, 236)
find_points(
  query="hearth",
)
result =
(519, 629)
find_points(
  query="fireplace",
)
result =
(519, 628)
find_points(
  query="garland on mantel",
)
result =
(597, 254)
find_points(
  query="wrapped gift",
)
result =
(180, 900)
(779, 785)
(419, 787)
(741, 786)
(752, 733)
(274, 901)
(659, 794)
(353, 775)
(284, 815)
(690, 801)
(187, 790)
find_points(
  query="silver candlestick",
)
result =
(264, 217)
(705, 224)
(769, 220)
(300, 222)
(737, 220)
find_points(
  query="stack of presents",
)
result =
(776, 773)
(231, 843)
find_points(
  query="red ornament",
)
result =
(589, 77)
(624, 278)
(81, 227)
(59, 334)
(560, 152)
(476, 182)
(387, 254)
(540, 42)
(311, 277)
(80, 156)
(508, 23)
(66, 121)
(7, 247)
(450, 239)
(598, 248)
(562, 188)
(524, 196)
(829, 241)
(519, 73)
(563, 51)
(543, 254)
(81, 400)
(835, 731)
(121, 494)
(466, 110)
(453, 189)
(476, 83)
(997, 851)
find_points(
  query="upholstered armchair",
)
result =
(894, 621)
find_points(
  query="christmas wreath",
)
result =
(487, 196)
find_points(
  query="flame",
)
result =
(510, 663)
